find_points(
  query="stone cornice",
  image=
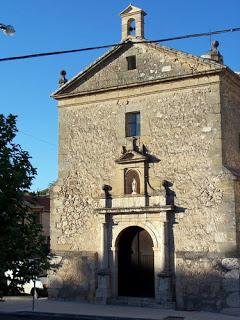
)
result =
(139, 84)
(141, 89)
(135, 210)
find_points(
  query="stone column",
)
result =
(179, 263)
(140, 25)
(114, 270)
(103, 257)
(103, 290)
(162, 276)
(157, 269)
(162, 257)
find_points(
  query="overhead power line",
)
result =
(195, 35)
(36, 138)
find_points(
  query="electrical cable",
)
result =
(107, 46)
(36, 138)
(36, 55)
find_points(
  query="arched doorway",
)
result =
(135, 263)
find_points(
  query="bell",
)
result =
(131, 29)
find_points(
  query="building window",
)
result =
(132, 182)
(131, 62)
(132, 122)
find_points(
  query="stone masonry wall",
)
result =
(88, 147)
(179, 128)
(237, 195)
(231, 135)
(73, 275)
(182, 128)
(230, 110)
(207, 282)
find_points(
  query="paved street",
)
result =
(58, 308)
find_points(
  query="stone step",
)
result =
(141, 302)
(231, 311)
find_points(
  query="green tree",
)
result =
(22, 246)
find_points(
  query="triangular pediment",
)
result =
(154, 63)
(131, 157)
(130, 9)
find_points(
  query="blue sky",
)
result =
(46, 25)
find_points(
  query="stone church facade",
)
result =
(146, 207)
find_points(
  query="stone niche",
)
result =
(130, 204)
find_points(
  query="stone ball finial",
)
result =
(214, 53)
(215, 45)
(62, 79)
(63, 73)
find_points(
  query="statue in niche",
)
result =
(134, 186)
(131, 182)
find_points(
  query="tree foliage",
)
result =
(22, 246)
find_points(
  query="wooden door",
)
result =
(135, 263)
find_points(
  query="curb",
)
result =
(25, 315)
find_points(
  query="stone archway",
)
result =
(135, 263)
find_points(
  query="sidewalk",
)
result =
(18, 304)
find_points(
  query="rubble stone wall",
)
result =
(230, 110)
(73, 275)
(182, 128)
(231, 136)
(237, 195)
(207, 281)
